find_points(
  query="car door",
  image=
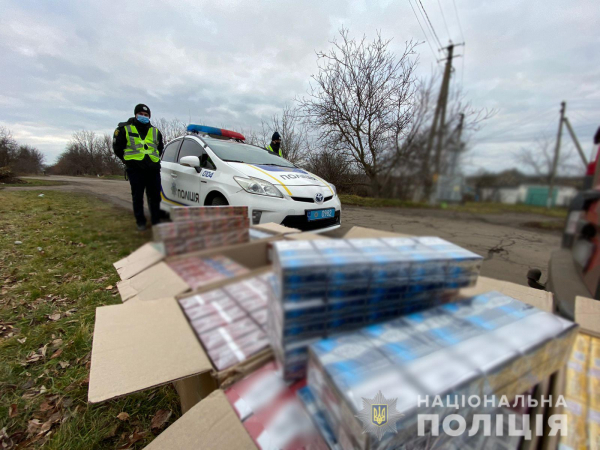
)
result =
(168, 163)
(186, 182)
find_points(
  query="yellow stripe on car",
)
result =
(167, 200)
(325, 182)
(269, 175)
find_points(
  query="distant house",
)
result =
(514, 187)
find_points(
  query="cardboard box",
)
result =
(160, 280)
(151, 342)
(581, 379)
(153, 252)
(212, 422)
(147, 343)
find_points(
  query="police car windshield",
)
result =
(237, 152)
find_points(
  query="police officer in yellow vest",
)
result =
(139, 145)
(275, 145)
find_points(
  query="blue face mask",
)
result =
(142, 119)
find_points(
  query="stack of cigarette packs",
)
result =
(489, 345)
(198, 228)
(183, 213)
(271, 412)
(324, 287)
(582, 392)
(197, 272)
(228, 320)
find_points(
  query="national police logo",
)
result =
(174, 188)
(379, 415)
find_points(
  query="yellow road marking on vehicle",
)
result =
(268, 174)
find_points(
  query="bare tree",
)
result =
(332, 166)
(293, 131)
(111, 164)
(539, 158)
(170, 129)
(362, 102)
(8, 147)
(27, 160)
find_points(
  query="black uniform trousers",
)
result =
(147, 179)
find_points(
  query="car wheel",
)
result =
(219, 200)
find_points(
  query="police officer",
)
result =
(139, 145)
(275, 145)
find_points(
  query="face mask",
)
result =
(142, 119)
(275, 147)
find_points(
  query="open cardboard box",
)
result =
(151, 278)
(212, 423)
(152, 253)
(587, 315)
(142, 344)
(147, 341)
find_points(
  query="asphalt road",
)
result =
(509, 248)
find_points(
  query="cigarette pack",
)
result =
(232, 332)
(238, 350)
(181, 245)
(324, 287)
(487, 345)
(256, 391)
(200, 271)
(198, 227)
(230, 321)
(183, 213)
(271, 411)
(284, 425)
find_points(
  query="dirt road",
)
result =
(509, 248)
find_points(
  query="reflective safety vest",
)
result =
(273, 151)
(137, 147)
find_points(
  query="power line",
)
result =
(458, 20)
(426, 25)
(462, 66)
(517, 126)
(431, 25)
(423, 30)
(444, 18)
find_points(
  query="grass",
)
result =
(355, 200)
(33, 183)
(51, 285)
(468, 207)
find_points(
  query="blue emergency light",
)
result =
(215, 131)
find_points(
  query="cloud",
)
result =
(83, 65)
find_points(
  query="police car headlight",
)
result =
(333, 189)
(258, 186)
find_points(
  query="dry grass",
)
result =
(51, 285)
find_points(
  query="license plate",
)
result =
(318, 214)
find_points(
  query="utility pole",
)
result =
(444, 98)
(440, 115)
(563, 106)
(575, 141)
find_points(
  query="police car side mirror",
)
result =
(191, 161)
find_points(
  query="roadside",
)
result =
(511, 238)
(24, 183)
(56, 255)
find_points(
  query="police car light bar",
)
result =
(215, 131)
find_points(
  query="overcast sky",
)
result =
(72, 65)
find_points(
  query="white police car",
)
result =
(212, 166)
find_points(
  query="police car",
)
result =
(212, 166)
